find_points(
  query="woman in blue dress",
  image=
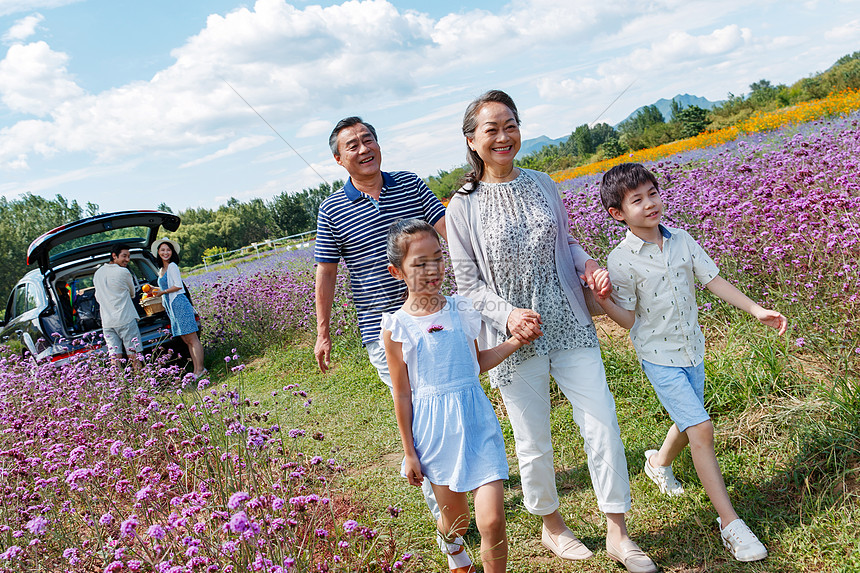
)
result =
(448, 427)
(176, 303)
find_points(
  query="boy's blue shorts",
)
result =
(681, 390)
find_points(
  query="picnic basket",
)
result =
(152, 305)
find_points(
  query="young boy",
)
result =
(653, 271)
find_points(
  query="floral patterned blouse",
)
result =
(519, 235)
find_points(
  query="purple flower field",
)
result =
(778, 212)
(250, 265)
(110, 471)
(269, 300)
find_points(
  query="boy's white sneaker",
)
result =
(662, 476)
(741, 542)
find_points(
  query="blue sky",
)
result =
(124, 104)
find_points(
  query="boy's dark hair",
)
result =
(343, 124)
(399, 232)
(622, 179)
(117, 249)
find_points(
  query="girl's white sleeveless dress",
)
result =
(455, 430)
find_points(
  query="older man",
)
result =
(353, 225)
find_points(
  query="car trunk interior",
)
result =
(75, 295)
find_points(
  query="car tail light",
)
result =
(67, 355)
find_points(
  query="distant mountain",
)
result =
(665, 105)
(530, 145)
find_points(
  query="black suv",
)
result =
(52, 312)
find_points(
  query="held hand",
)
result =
(773, 319)
(597, 279)
(322, 351)
(524, 325)
(602, 285)
(413, 470)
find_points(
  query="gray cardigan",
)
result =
(472, 268)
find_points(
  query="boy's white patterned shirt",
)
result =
(659, 285)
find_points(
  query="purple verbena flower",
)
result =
(126, 528)
(237, 499)
(239, 522)
(156, 531)
(37, 525)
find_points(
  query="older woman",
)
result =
(513, 255)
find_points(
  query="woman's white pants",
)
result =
(580, 375)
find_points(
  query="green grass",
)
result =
(787, 442)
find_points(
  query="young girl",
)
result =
(179, 309)
(449, 430)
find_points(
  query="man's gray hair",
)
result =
(343, 124)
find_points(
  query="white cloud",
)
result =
(289, 63)
(450, 114)
(17, 6)
(42, 184)
(241, 144)
(484, 38)
(848, 31)
(315, 128)
(277, 55)
(286, 62)
(23, 28)
(680, 50)
(34, 79)
(17, 164)
(35, 131)
(560, 89)
(642, 23)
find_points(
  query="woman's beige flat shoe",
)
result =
(567, 547)
(634, 559)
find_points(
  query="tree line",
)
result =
(648, 128)
(237, 224)
(21, 221)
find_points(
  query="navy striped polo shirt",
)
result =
(352, 228)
